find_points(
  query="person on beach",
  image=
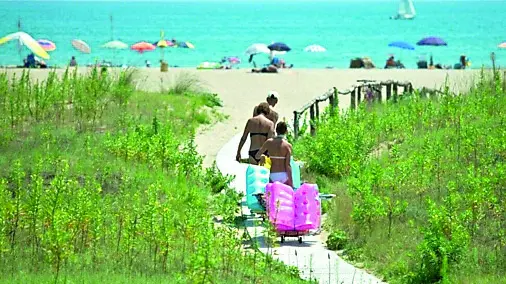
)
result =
(280, 153)
(391, 63)
(73, 62)
(268, 69)
(272, 100)
(259, 128)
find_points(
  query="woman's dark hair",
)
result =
(281, 128)
(263, 108)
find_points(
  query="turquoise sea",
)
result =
(226, 28)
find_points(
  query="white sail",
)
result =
(406, 10)
(411, 9)
(402, 7)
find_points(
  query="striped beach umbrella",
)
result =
(81, 46)
(185, 44)
(164, 43)
(26, 40)
(314, 48)
(47, 45)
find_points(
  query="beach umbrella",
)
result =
(47, 45)
(115, 44)
(26, 40)
(256, 49)
(314, 48)
(434, 41)
(401, 45)
(185, 44)
(164, 43)
(81, 46)
(502, 45)
(279, 46)
(142, 46)
(233, 60)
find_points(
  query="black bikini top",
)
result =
(258, 133)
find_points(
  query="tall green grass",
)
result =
(99, 182)
(419, 184)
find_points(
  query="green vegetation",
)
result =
(419, 184)
(102, 183)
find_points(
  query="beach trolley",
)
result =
(293, 213)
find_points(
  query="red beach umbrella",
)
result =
(143, 46)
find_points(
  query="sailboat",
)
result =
(406, 11)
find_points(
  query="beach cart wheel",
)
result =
(300, 240)
(282, 239)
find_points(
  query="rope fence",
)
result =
(369, 90)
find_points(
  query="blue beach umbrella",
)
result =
(279, 46)
(401, 45)
(434, 41)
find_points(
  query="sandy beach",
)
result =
(241, 90)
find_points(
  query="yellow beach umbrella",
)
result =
(162, 42)
(27, 41)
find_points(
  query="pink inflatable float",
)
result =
(293, 213)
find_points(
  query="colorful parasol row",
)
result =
(41, 47)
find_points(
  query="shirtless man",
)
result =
(259, 128)
(272, 100)
(280, 152)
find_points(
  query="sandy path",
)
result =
(241, 91)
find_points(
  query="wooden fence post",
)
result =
(312, 120)
(379, 95)
(406, 89)
(504, 82)
(359, 95)
(389, 91)
(317, 109)
(295, 124)
(332, 104)
(395, 89)
(335, 98)
(353, 104)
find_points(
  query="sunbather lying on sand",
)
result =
(268, 69)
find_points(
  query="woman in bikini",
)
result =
(280, 152)
(259, 128)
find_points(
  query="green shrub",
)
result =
(337, 240)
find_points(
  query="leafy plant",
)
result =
(337, 240)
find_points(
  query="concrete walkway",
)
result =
(311, 257)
